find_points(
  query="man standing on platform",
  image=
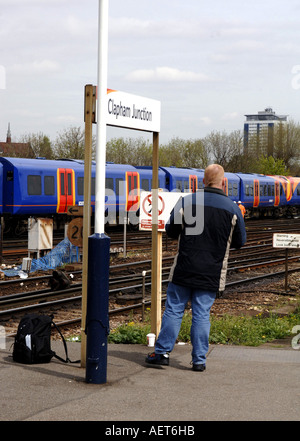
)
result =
(207, 224)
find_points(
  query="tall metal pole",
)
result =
(97, 322)
(101, 116)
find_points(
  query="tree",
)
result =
(267, 165)
(70, 144)
(194, 154)
(287, 142)
(143, 153)
(40, 144)
(183, 153)
(129, 151)
(238, 160)
(219, 147)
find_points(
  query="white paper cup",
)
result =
(150, 339)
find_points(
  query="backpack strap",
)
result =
(67, 360)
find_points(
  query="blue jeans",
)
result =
(177, 298)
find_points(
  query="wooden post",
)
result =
(286, 270)
(89, 119)
(156, 245)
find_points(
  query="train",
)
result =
(46, 188)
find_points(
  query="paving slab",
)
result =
(239, 384)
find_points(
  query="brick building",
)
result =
(16, 149)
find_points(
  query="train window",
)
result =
(49, 185)
(179, 185)
(10, 175)
(270, 189)
(132, 184)
(235, 189)
(80, 186)
(80, 183)
(120, 183)
(135, 183)
(109, 183)
(229, 188)
(69, 184)
(93, 187)
(200, 183)
(145, 184)
(193, 183)
(62, 184)
(265, 190)
(285, 187)
(249, 190)
(34, 185)
(186, 186)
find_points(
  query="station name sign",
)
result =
(286, 240)
(132, 112)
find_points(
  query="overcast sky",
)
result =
(209, 63)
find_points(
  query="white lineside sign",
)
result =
(166, 202)
(286, 240)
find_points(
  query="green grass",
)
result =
(233, 330)
(243, 330)
(251, 331)
(132, 332)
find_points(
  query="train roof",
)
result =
(124, 167)
(252, 176)
(57, 163)
(40, 162)
(174, 171)
(232, 176)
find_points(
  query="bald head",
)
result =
(214, 176)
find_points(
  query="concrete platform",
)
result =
(239, 384)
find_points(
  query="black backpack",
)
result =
(33, 340)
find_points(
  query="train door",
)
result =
(226, 186)
(256, 193)
(277, 193)
(132, 190)
(287, 188)
(65, 189)
(193, 183)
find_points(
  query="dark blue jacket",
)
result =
(207, 224)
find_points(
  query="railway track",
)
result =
(257, 258)
(123, 289)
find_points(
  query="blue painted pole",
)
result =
(97, 321)
(97, 324)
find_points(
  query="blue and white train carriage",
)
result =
(46, 188)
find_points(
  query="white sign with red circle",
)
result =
(166, 202)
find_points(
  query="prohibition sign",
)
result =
(148, 210)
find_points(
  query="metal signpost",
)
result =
(286, 241)
(96, 325)
(117, 109)
(156, 222)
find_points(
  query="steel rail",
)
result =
(116, 311)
